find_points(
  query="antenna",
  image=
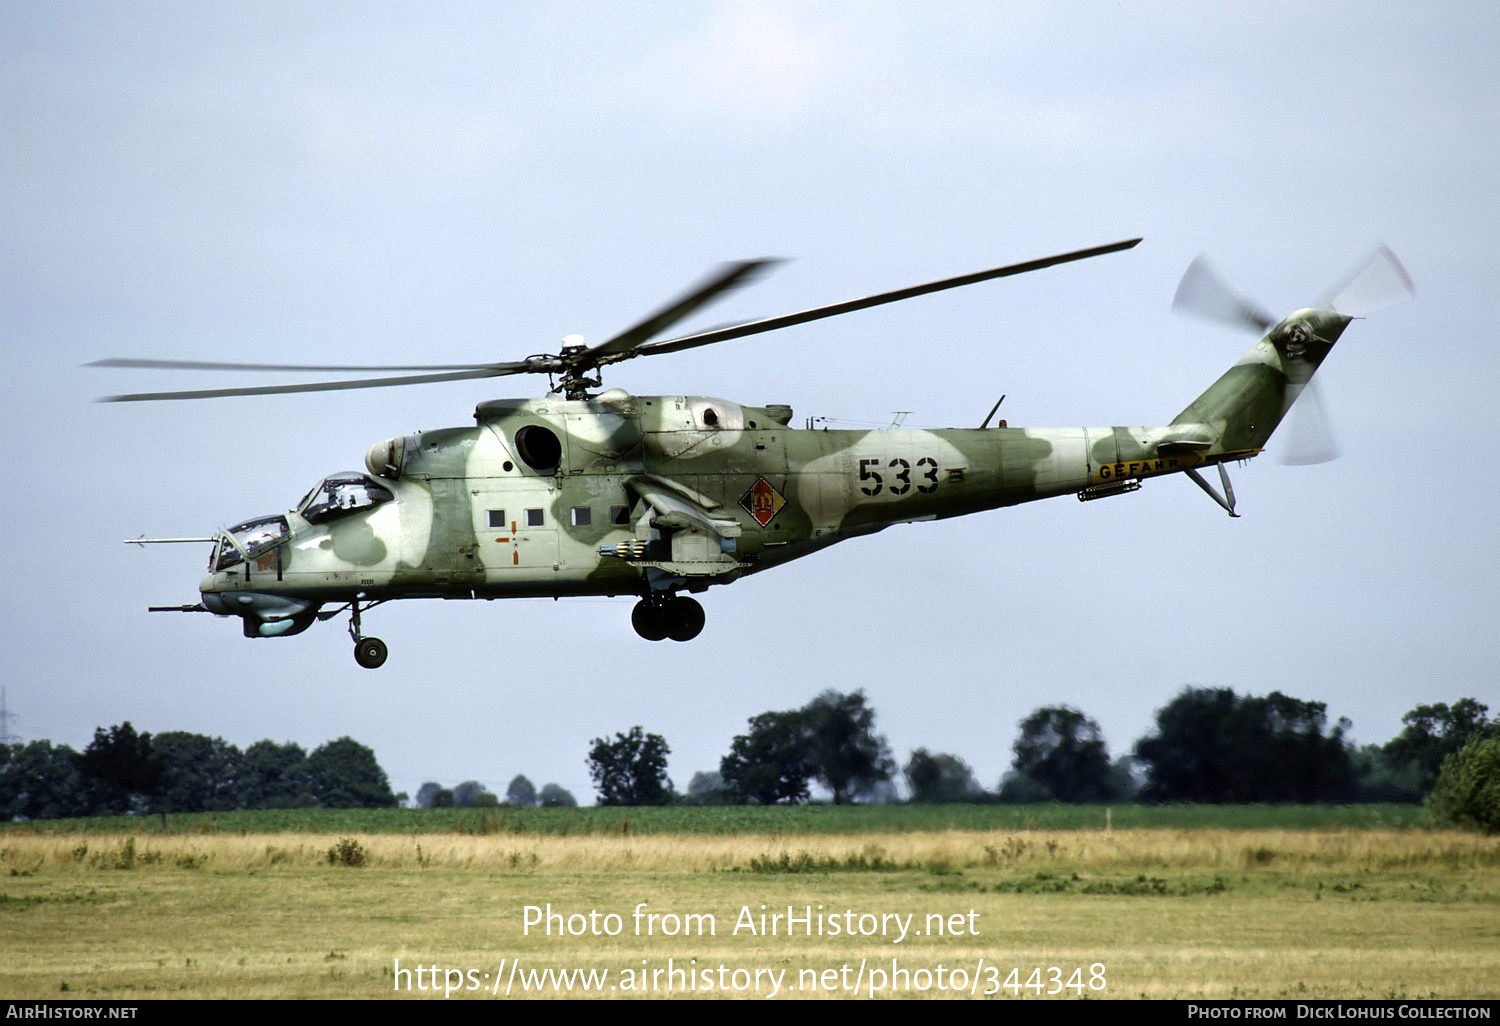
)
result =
(6, 737)
(993, 410)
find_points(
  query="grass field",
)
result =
(212, 908)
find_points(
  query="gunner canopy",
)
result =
(248, 540)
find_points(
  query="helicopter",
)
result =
(589, 491)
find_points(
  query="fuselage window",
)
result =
(619, 514)
(497, 518)
(534, 518)
(582, 516)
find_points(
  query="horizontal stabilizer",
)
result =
(1175, 446)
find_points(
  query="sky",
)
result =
(395, 183)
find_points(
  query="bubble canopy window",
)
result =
(341, 495)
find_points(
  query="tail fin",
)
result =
(1238, 412)
(1243, 408)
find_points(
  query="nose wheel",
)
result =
(368, 652)
(662, 615)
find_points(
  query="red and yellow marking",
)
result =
(762, 501)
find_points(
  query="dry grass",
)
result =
(1170, 913)
(1222, 850)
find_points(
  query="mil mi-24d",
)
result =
(592, 491)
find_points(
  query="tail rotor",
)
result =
(1378, 281)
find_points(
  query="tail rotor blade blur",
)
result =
(1375, 284)
(1308, 432)
(1203, 293)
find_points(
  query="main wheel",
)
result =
(370, 653)
(649, 620)
(684, 619)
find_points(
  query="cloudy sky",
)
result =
(450, 182)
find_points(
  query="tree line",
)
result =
(123, 771)
(126, 771)
(471, 794)
(1209, 745)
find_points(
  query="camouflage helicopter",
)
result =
(592, 491)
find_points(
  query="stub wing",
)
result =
(676, 507)
(682, 532)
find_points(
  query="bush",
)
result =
(1467, 792)
(347, 852)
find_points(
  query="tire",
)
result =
(370, 653)
(649, 620)
(685, 619)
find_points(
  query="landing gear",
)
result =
(686, 617)
(662, 615)
(649, 619)
(368, 652)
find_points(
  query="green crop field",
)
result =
(993, 901)
(794, 819)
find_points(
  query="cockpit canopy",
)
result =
(249, 540)
(340, 495)
(336, 496)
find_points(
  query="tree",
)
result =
(123, 768)
(41, 781)
(631, 769)
(199, 774)
(939, 778)
(1063, 751)
(554, 796)
(1380, 778)
(521, 793)
(770, 762)
(845, 752)
(1125, 778)
(275, 776)
(1433, 733)
(1467, 792)
(472, 794)
(831, 739)
(1019, 789)
(1211, 745)
(706, 788)
(345, 775)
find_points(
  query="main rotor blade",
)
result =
(818, 313)
(492, 371)
(1204, 293)
(330, 367)
(723, 279)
